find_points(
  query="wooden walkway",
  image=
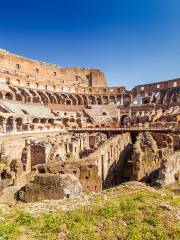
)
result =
(121, 130)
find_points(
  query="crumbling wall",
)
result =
(169, 172)
(153, 152)
(145, 157)
(43, 187)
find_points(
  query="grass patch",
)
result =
(112, 215)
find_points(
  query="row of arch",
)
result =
(166, 97)
(45, 97)
(13, 123)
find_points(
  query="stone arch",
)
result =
(79, 99)
(99, 100)
(124, 120)
(92, 100)
(119, 97)
(51, 97)
(85, 101)
(51, 121)
(35, 120)
(19, 123)
(174, 97)
(35, 96)
(161, 97)
(25, 94)
(9, 96)
(43, 120)
(19, 97)
(105, 99)
(44, 98)
(126, 99)
(73, 99)
(112, 99)
(60, 100)
(9, 125)
(154, 98)
(68, 102)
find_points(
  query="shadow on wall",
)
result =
(120, 171)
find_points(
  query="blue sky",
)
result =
(131, 41)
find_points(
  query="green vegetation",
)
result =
(123, 213)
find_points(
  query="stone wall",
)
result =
(101, 169)
(110, 158)
(19, 154)
(169, 172)
(149, 153)
(26, 72)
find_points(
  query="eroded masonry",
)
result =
(64, 131)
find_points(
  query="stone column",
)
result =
(122, 101)
(14, 125)
(4, 125)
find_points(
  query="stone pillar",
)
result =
(4, 125)
(115, 100)
(122, 101)
(14, 126)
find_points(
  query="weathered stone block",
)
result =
(45, 186)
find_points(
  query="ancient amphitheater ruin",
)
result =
(63, 130)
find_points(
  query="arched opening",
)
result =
(105, 99)
(8, 96)
(99, 100)
(73, 99)
(112, 99)
(19, 124)
(51, 121)
(43, 120)
(68, 102)
(60, 100)
(92, 100)
(51, 97)
(18, 97)
(35, 120)
(43, 97)
(85, 101)
(124, 121)
(9, 126)
(79, 99)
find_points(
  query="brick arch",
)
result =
(112, 99)
(91, 100)
(79, 99)
(18, 97)
(73, 99)
(161, 97)
(25, 94)
(105, 99)
(65, 98)
(9, 96)
(99, 100)
(35, 120)
(60, 100)
(85, 101)
(52, 99)
(43, 97)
